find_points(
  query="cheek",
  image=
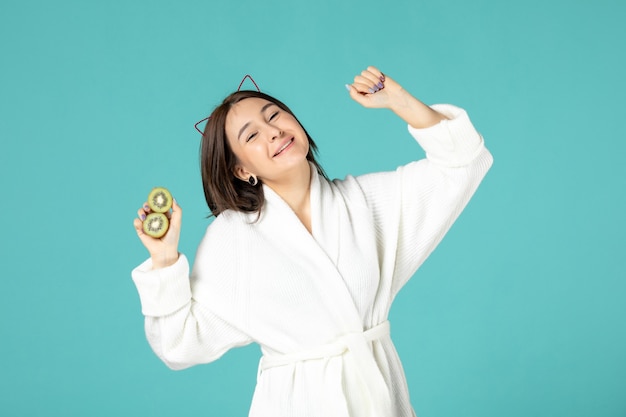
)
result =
(238, 154)
(256, 148)
(252, 153)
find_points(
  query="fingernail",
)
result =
(382, 78)
(347, 87)
(146, 207)
(371, 90)
(380, 85)
(142, 217)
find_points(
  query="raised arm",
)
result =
(414, 206)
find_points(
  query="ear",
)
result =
(241, 173)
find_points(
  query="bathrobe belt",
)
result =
(357, 344)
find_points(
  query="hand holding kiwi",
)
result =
(160, 202)
(158, 229)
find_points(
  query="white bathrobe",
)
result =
(317, 303)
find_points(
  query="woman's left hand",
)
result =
(373, 89)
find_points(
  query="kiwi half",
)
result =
(160, 200)
(156, 225)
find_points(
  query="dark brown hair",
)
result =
(222, 190)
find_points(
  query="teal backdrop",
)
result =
(521, 311)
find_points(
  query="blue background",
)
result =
(519, 312)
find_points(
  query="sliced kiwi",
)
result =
(160, 200)
(156, 225)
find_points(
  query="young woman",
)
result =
(303, 266)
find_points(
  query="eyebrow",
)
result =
(245, 126)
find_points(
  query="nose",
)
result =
(275, 134)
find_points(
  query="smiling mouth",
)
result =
(285, 146)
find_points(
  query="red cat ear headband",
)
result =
(238, 89)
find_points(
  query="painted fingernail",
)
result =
(146, 207)
(380, 85)
(142, 217)
(382, 78)
(371, 90)
(347, 87)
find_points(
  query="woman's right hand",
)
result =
(164, 250)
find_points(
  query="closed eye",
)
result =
(273, 116)
(252, 136)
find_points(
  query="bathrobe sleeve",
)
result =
(181, 331)
(414, 206)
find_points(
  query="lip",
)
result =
(284, 145)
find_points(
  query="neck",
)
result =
(295, 191)
(295, 188)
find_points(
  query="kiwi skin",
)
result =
(156, 225)
(160, 200)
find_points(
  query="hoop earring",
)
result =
(252, 180)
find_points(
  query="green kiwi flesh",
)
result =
(160, 200)
(155, 225)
